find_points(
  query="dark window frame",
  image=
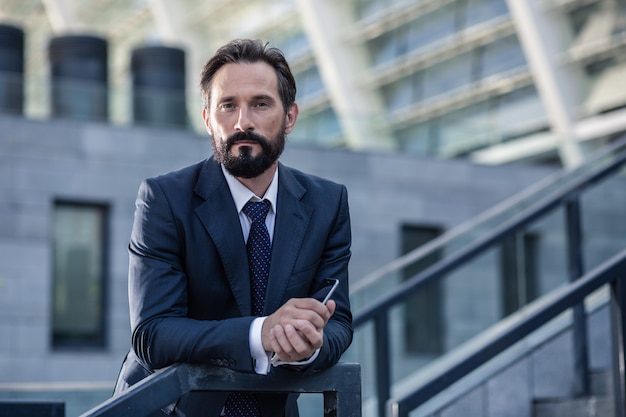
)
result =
(424, 325)
(100, 340)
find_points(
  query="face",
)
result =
(246, 118)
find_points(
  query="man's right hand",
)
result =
(296, 330)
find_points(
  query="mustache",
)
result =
(247, 136)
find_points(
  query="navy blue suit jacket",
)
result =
(189, 286)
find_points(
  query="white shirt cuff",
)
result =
(277, 362)
(260, 356)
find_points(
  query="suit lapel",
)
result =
(219, 216)
(292, 220)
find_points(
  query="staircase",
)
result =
(532, 362)
(599, 404)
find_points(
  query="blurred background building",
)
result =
(491, 80)
(431, 111)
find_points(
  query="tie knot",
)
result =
(257, 211)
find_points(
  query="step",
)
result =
(575, 407)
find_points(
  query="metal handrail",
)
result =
(532, 318)
(568, 197)
(439, 242)
(340, 386)
(451, 262)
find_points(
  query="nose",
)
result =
(244, 122)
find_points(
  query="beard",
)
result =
(245, 165)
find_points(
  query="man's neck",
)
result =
(259, 184)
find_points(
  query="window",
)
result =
(320, 128)
(367, 8)
(309, 83)
(79, 276)
(426, 30)
(447, 76)
(423, 313)
(503, 55)
(482, 10)
(465, 130)
(417, 139)
(293, 43)
(520, 112)
(435, 26)
(403, 93)
(383, 48)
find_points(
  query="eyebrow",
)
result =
(263, 97)
(254, 98)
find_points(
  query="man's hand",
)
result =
(296, 330)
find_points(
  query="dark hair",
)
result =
(250, 51)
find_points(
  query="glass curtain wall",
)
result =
(450, 102)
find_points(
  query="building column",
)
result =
(62, 15)
(542, 35)
(342, 65)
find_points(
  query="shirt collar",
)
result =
(241, 194)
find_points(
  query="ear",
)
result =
(205, 117)
(291, 117)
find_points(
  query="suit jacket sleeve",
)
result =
(334, 263)
(163, 332)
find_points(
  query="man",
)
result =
(190, 275)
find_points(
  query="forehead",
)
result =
(241, 80)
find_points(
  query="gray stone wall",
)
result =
(41, 161)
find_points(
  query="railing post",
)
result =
(383, 368)
(576, 270)
(618, 308)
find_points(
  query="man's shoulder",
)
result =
(309, 186)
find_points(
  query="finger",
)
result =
(292, 346)
(301, 348)
(331, 305)
(313, 336)
(311, 304)
(315, 313)
(278, 338)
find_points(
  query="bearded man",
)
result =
(227, 256)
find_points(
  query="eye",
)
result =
(226, 106)
(262, 104)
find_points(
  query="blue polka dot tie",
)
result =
(243, 404)
(259, 249)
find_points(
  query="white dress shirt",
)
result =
(241, 195)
